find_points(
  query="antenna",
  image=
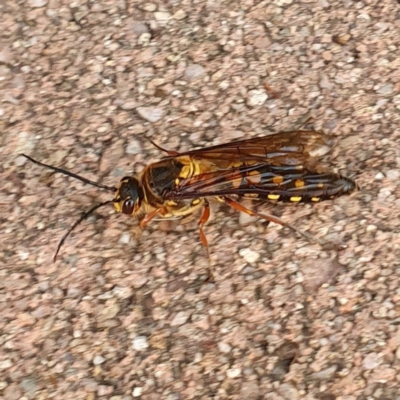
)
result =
(170, 153)
(72, 175)
(77, 222)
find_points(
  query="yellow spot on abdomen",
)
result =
(171, 203)
(315, 199)
(299, 183)
(177, 181)
(277, 179)
(236, 164)
(274, 196)
(237, 182)
(253, 177)
(252, 162)
(251, 195)
(296, 199)
(320, 185)
(195, 202)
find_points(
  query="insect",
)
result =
(279, 167)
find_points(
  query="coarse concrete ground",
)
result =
(118, 316)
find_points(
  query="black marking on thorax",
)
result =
(162, 176)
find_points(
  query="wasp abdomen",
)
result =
(300, 189)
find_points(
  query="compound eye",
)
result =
(128, 206)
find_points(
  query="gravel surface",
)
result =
(121, 315)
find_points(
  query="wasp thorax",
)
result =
(129, 196)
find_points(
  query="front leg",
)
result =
(148, 217)
(203, 220)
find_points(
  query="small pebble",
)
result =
(139, 27)
(104, 390)
(194, 71)
(180, 318)
(144, 39)
(11, 99)
(37, 3)
(140, 343)
(262, 42)
(393, 174)
(224, 347)
(125, 238)
(20, 161)
(5, 364)
(23, 255)
(342, 39)
(133, 147)
(250, 390)
(162, 16)
(97, 360)
(324, 342)
(5, 55)
(179, 15)
(151, 7)
(43, 286)
(126, 105)
(385, 90)
(256, 97)
(80, 15)
(109, 312)
(249, 255)
(233, 373)
(371, 228)
(137, 391)
(151, 114)
(29, 385)
(323, 375)
(398, 353)
(288, 391)
(371, 361)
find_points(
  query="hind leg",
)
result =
(271, 218)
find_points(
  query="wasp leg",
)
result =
(272, 92)
(148, 217)
(271, 218)
(306, 122)
(171, 153)
(203, 220)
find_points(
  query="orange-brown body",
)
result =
(279, 167)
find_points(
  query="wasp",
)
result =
(281, 167)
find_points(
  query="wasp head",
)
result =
(129, 196)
